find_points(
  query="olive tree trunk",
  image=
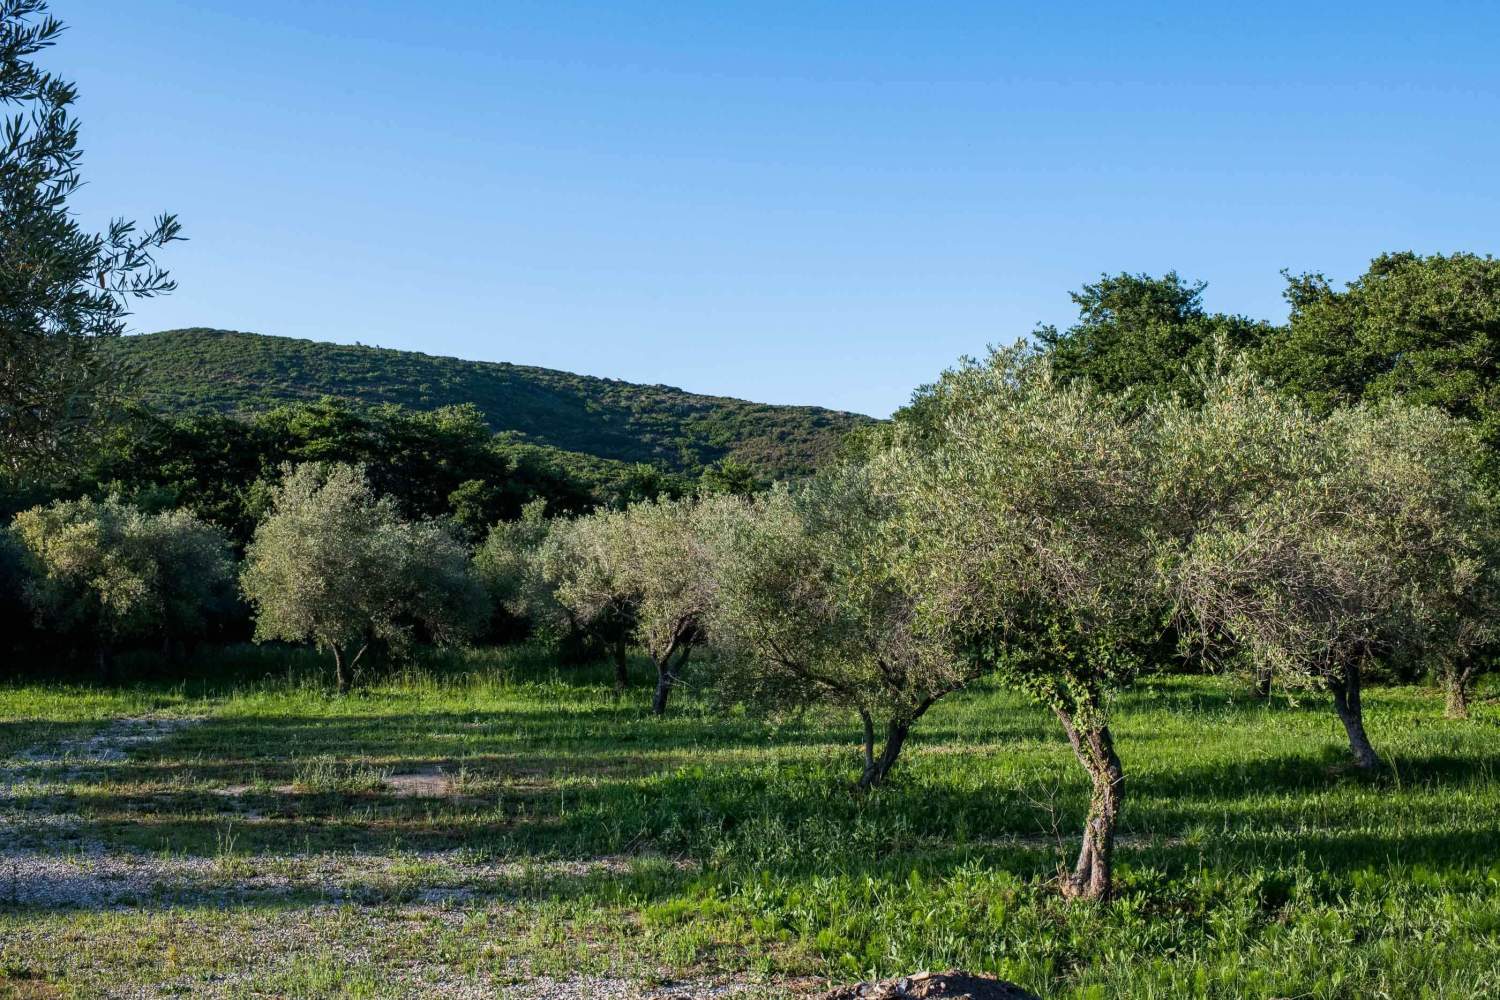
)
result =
(877, 767)
(622, 666)
(340, 677)
(666, 676)
(1347, 704)
(1456, 684)
(343, 674)
(1092, 876)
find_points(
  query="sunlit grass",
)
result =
(1253, 862)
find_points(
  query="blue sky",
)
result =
(790, 202)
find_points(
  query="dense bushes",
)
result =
(107, 574)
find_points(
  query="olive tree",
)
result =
(1024, 525)
(63, 290)
(646, 567)
(809, 611)
(580, 577)
(105, 570)
(334, 564)
(1380, 547)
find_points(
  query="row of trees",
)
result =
(1064, 540)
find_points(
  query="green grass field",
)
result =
(492, 825)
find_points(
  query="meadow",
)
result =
(489, 823)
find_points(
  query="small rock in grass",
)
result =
(951, 985)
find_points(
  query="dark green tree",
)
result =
(729, 477)
(1425, 329)
(62, 289)
(1136, 332)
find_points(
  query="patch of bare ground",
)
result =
(951, 985)
(98, 880)
(111, 744)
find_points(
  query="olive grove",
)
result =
(105, 570)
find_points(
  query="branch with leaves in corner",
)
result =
(62, 289)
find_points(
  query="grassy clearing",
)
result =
(493, 818)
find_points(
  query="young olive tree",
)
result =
(1023, 523)
(580, 577)
(671, 573)
(1381, 547)
(336, 565)
(108, 571)
(647, 568)
(810, 611)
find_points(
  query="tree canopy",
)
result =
(1422, 329)
(810, 611)
(107, 570)
(335, 564)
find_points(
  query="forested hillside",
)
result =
(201, 370)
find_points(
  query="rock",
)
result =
(950, 985)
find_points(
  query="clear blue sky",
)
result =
(793, 202)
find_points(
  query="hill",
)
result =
(200, 370)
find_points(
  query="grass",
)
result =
(494, 817)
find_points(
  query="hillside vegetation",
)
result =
(201, 370)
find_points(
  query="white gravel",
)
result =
(99, 880)
(388, 889)
(109, 745)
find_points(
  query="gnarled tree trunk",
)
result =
(1092, 876)
(878, 767)
(1456, 682)
(1347, 704)
(666, 676)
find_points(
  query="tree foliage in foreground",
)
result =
(809, 610)
(1056, 534)
(336, 565)
(62, 289)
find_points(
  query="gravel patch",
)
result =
(102, 880)
(110, 745)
